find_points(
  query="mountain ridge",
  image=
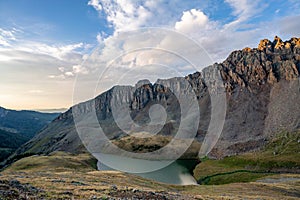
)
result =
(257, 82)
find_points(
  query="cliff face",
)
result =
(261, 87)
(270, 62)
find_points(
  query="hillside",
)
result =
(25, 122)
(280, 155)
(67, 176)
(272, 173)
(261, 85)
(9, 142)
(17, 127)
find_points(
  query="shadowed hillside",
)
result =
(17, 127)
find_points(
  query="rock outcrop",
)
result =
(270, 62)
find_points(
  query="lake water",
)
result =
(178, 172)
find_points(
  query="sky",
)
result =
(53, 50)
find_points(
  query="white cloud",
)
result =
(69, 74)
(191, 21)
(73, 71)
(79, 69)
(217, 38)
(57, 77)
(124, 15)
(221, 39)
(243, 10)
(62, 69)
(101, 36)
(7, 36)
(62, 57)
(62, 52)
(96, 4)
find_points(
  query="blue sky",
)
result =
(43, 44)
(54, 21)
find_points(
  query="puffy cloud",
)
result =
(219, 38)
(122, 14)
(184, 17)
(192, 20)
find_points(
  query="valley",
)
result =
(61, 175)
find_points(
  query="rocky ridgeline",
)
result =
(269, 63)
(247, 68)
(262, 91)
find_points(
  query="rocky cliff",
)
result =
(261, 87)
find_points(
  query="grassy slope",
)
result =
(66, 176)
(150, 144)
(282, 154)
(57, 161)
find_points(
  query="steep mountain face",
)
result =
(261, 87)
(263, 94)
(17, 127)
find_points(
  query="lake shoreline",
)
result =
(179, 172)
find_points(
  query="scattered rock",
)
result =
(114, 187)
(134, 190)
(58, 181)
(67, 193)
(77, 183)
(13, 189)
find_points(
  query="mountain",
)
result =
(17, 127)
(25, 122)
(261, 87)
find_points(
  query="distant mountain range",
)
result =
(58, 110)
(17, 127)
(262, 89)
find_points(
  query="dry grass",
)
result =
(66, 176)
